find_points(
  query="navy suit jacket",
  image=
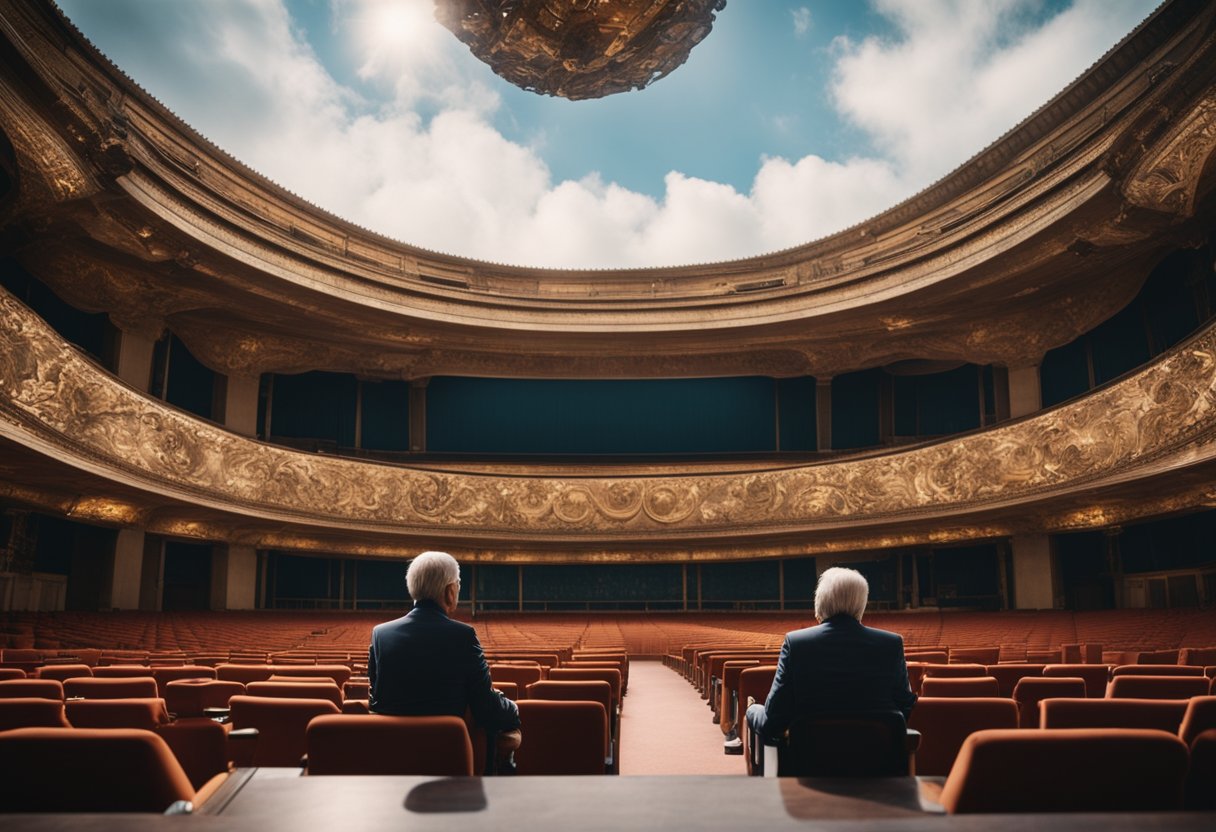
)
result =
(840, 665)
(426, 664)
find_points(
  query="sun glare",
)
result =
(391, 25)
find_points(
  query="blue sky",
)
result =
(792, 120)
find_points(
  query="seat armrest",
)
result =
(243, 734)
(912, 740)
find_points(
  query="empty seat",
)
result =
(521, 675)
(507, 689)
(975, 655)
(1201, 656)
(243, 673)
(32, 712)
(23, 688)
(1157, 687)
(355, 689)
(954, 671)
(86, 770)
(164, 675)
(1200, 716)
(64, 671)
(1030, 691)
(1096, 676)
(118, 671)
(944, 724)
(437, 746)
(148, 714)
(200, 746)
(1008, 675)
(1067, 770)
(282, 724)
(192, 697)
(612, 677)
(11, 673)
(584, 691)
(1157, 670)
(961, 686)
(296, 690)
(89, 687)
(562, 737)
(1201, 779)
(1159, 714)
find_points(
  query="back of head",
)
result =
(841, 591)
(429, 575)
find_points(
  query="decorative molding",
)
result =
(1167, 179)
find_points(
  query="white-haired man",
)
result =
(839, 665)
(427, 664)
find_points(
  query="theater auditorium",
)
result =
(230, 418)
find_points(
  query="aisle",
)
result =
(666, 727)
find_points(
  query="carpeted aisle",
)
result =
(666, 727)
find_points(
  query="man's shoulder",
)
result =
(885, 636)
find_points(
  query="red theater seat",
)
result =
(436, 746)
(754, 685)
(960, 687)
(954, 671)
(1096, 676)
(32, 712)
(164, 675)
(1030, 691)
(1201, 779)
(192, 697)
(1157, 687)
(1157, 670)
(507, 689)
(7, 673)
(1158, 714)
(120, 671)
(1067, 770)
(588, 691)
(23, 688)
(281, 723)
(945, 723)
(64, 671)
(521, 675)
(1008, 675)
(148, 714)
(562, 738)
(297, 690)
(1200, 716)
(85, 770)
(93, 688)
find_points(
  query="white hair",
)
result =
(429, 574)
(841, 590)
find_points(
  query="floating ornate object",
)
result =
(580, 49)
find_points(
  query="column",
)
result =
(152, 578)
(418, 415)
(1034, 584)
(127, 574)
(1025, 391)
(234, 572)
(134, 364)
(823, 413)
(240, 404)
(1114, 564)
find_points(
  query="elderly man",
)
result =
(840, 665)
(426, 664)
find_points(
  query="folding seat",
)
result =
(437, 746)
(1157, 687)
(617, 665)
(193, 697)
(64, 671)
(7, 673)
(87, 770)
(584, 691)
(1201, 779)
(355, 689)
(148, 714)
(1007, 675)
(293, 690)
(42, 688)
(89, 687)
(728, 695)
(954, 671)
(1200, 716)
(1096, 676)
(116, 671)
(1030, 691)
(612, 677)
(562, 737)
(944, 724)
(962, 686)
(1067, 770)
(1156, 670)
(1159, 714)
(281, 724)
(521, 675)
(32, 712)
(164, 675)
(754, 685)
(243, 673)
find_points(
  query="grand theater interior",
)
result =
(229, 418)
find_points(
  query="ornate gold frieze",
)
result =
(1167, 179)
(1155, 420)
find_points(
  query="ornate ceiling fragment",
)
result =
(580, 49)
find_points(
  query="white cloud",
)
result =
(802, 20)
(959, 73)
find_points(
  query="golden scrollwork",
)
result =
(1167, 179)
(1160, 417)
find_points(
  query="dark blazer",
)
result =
(426, 664)
(840, 665)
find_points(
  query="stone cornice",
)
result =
(1077, 466)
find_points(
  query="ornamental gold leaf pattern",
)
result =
(53, 393)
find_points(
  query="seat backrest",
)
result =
(1067, 770)
(32, 712)
(961, 686)
(339, 674)
(24, 688)
(148, 713)
(296, 690)
(1200, 716)
(1157, 670)
(1159, 714)
(1095, 675)
(243, 673)
(954, 670)
(1200, 793)
(612, 677)
(1008, 675)
(1032, 690)
(1157, 687)
(64, 671)
(1201, 656)
(11, 673)
(89, 687)
(521, 675)
(562, 737)
(436, 746)
(945, 723)
(282, 724)
(88, 770)
(845, 744)
(355, 689)
(122, 671)
(200, 745)
(975, 655)
(507, 689)
(164, 675)
(191, 697)
(1158, 657)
